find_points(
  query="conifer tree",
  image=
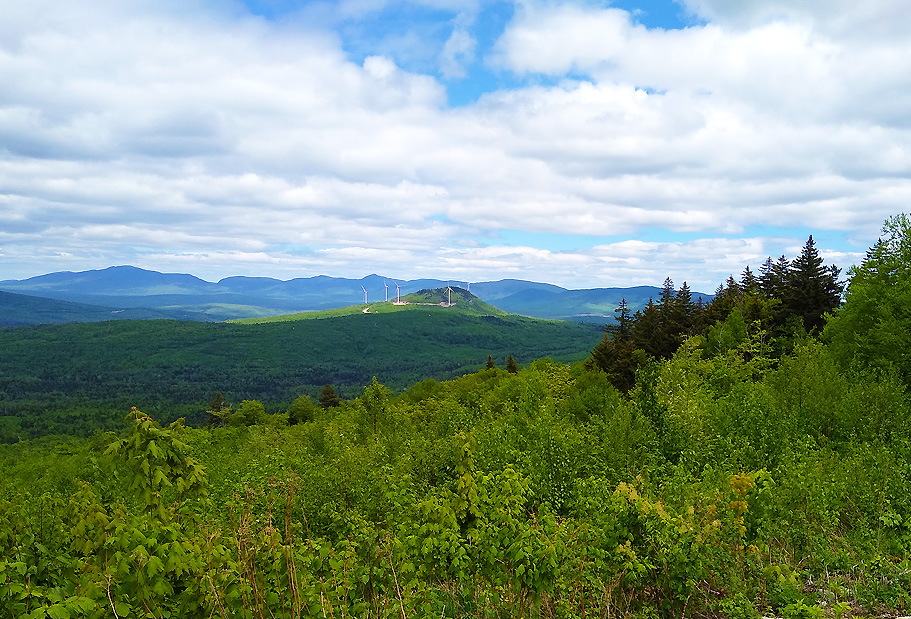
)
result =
(218, 411)
(773, 277)
(328, 397)
(812, 289)
(490, 364)
(766, 278)
(749, 282)
(511, 366)
(619, 359)
(623, 329)
(685, 309)
(647, 331)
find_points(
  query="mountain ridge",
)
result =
(126, 287)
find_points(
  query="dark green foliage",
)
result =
(812, 289)
(619, 360)
(511, 365)
(622, 330)
(218, 411)
(786, 300)
(80, 378)
(328, 397)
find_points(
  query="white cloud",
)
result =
(871, 19)
(458, 51)
(136, 132)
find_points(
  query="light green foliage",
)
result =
(730, 480)
(302, 410)
(873, 328)
(375, 401)
(249, 413)
(726, 335)
(157, 461)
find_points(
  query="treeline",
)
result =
(80, 378)
(786, 299)
(725, 482)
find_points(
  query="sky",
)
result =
(580, 143)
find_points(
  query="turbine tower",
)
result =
(449, 292)
(365, 295)
(385, 285)
(397, 292)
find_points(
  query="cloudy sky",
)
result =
(580, 143)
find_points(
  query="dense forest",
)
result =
(747, 457)
(82, 378)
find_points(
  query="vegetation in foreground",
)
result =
(727, 481)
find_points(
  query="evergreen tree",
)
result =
(218, 411)
(728, 296)
(659, 329)
(511, 366)
(648, 332)
(773, 277)
(328, 397)
(619, 359)
(624, 321)
(666, 299)
(766, 278)
(666, 336)
(812, 289)
(685, 310)
(781, 270)
(490, 364)
(621, 330)
(748, 281)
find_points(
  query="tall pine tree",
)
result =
(811, 289)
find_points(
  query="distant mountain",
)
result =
(592, 305)
(128, 287)
(504, 288)
(20, 309)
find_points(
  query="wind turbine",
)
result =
(365, 295)
(449, 291)
(387, 290)
(397, 291)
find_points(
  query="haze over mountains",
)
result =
(130, 292)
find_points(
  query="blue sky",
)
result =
(575, 142)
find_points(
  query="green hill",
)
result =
(458, 301)
(22, 309)
(76, 378)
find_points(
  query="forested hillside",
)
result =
(79, 378)
(753, 469)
